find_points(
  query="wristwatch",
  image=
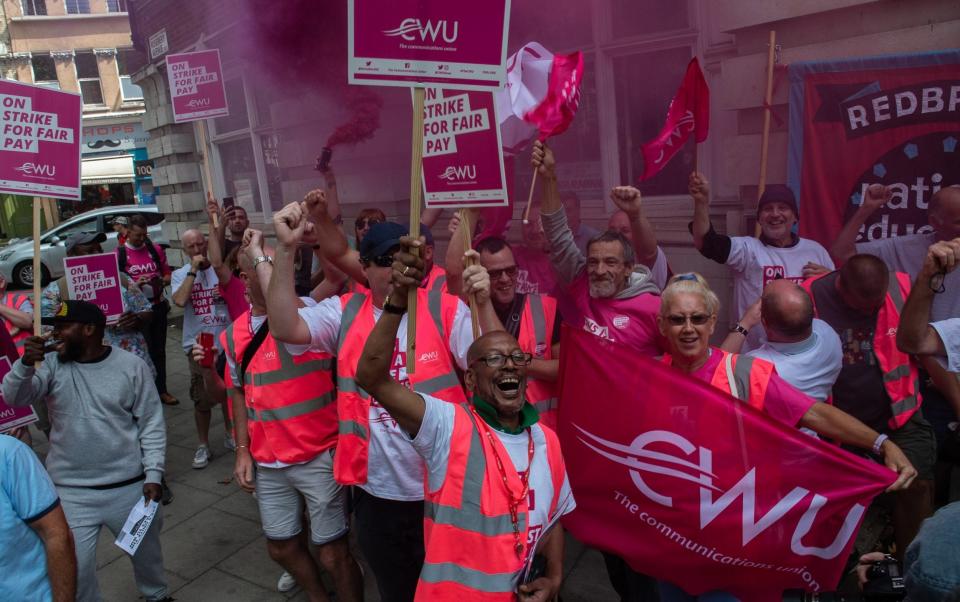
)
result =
(262, 258)
(740, 329)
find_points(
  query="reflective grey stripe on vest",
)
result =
(352, 427)
(437, 383)
(545, 405)
(434, 304)
(468, 516)
(345, 384)
(494, 583)
(906, 404)
(897, 373)
(438, 284)
(230, 346)
(741, 373)
(893, 289)
(291, 411)
(349, 315)
(539, 321)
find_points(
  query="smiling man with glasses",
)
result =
(496, 480)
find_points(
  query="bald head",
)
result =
(863, 283)
(944, 213)
(190, 236)
(500, 340)
(194, 243)
(786, 311)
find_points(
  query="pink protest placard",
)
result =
(462, 155)
(11, 418)
(428, 43)
(39, 141)
(196, 85)
(96, 278)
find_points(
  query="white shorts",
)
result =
(282, 491)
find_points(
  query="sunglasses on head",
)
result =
(511, 272)
(695, 319)
(367, 221)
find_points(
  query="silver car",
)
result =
(16, 259)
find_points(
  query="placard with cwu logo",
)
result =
(39, 141)
(11, 418)
(196, 85)
(96, 278)
(462, 154)
(428, 43)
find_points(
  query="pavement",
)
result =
(213, 546)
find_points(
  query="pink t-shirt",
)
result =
(535, 275)
(782, 402)
(235, 295)
(141, 263)
(631, 321)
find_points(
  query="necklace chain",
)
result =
(514, 502)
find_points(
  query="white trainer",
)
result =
(202, 457)
(286, 582)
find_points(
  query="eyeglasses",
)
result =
(383, 261)
(695, 319)
(364, 222)
(511, 273)
(497, 360)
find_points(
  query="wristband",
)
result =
(879, 443)
(740, 329)
(394, 309)
(262, 259)
(194, 274)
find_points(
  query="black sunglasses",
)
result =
(511, 272)
(383, 261)
(695, 319)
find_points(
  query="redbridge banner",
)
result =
(428, 43)
(697, 489)
(892, 120)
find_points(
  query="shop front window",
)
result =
(644, 86)
(237, 119)
(240, 173)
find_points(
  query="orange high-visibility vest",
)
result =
(16, 301)
(536, 333)
(749, 376)
(901, 378)
(291, 414)
(467, 529)
(435, 372)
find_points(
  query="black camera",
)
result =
(884, 583)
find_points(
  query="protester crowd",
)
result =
(451, 474)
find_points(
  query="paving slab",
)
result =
(218, 585)
(187, 502)
(205, 539)
(240, 503)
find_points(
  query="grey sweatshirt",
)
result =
(106, 416)
(568, 262)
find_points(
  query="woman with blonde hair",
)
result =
(687, 319)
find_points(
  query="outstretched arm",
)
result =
(373, 369)
(628, 200)
(699, 190)
(215, 242)
(61, 558)
(565, 257)
(845, 246)
(330, 237)
(286, 325)
(454, 260)
(915, 335)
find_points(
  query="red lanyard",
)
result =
(514, 502)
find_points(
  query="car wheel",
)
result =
(23, 274)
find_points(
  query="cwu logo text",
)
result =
(37, 169)
(713, 499)
(410, 28)
(459, 173)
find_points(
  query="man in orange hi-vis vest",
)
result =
(878, 383)
(373, 453)
(496, 480)
(16, 312)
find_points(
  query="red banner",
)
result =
(891, 120)
(689, 112)
(695, 488)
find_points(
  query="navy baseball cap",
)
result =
(380, 239)
(73, 311)
(84, 238)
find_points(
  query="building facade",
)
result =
(81, 46)
(286, 86)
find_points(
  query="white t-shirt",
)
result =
(906, 254)
(433, 443)
(812, 366)
(755, 264)
(253, 325)
(659, 269)
(205, 310)
(395, 471)
(949, 331)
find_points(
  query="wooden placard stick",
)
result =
(416, 195)
(767, 108)
(202, 125)
(467, 228)
(37, 269)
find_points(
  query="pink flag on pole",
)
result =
(556, 112)
(698, 489)
(689, 112)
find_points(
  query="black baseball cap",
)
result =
(381, 238)
(84, 238)
(73, 311)
(778, 193)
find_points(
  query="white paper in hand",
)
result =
(136, 526)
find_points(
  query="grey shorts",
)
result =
(281, 493)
